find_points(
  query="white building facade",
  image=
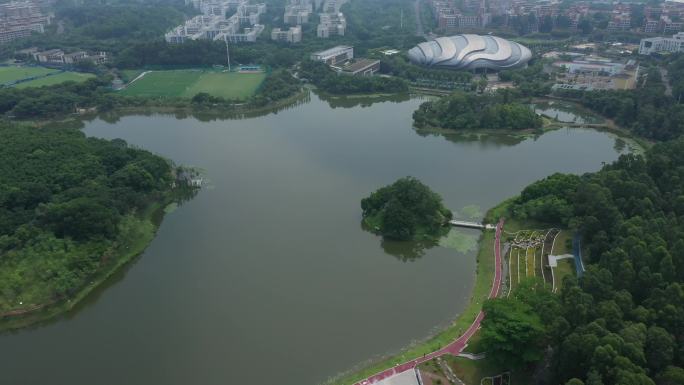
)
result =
(662, 44)
(212, 24)
(291, 35)
(334, 55)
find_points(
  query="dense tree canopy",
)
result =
(517, 330)
(623, 322)
(646, 111)
(462, 111)
(512, 334)
(406, 209)
(329, 81)
(64, 201)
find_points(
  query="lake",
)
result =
(266, 276)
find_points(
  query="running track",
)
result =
(458, 344)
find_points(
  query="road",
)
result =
(457, 346)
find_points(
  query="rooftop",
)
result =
(408, 377)
(333, 50)
(360, 64)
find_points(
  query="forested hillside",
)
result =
(67, 203)
(623, 322)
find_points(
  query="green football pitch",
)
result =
(188, 83)
(45, 76)
(12, 73)
(56, 79)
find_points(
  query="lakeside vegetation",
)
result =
(620, 323)
(462, 111)
(484, 275)
(68, 206)
(406, 210)
(646, 111)
(331, 82)
(36, 76)
(626, 317)
(60, 100)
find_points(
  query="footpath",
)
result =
(457, 346)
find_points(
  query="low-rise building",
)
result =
(662, 44)
(620, 22)
(296, 16)
(361, 67)
(651, 26)
(242, 26)
(21, 18)
(71, 58)
(670, 26)
(57, 57)
(591, 65)
(298, 12)
(291, 35)
(597, 73)
(49, 56)
(334, 55)
(331, 24)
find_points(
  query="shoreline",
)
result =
(185, 110)
(484, 275)
(148, 223)
(637, 144)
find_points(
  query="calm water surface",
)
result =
(267, 277)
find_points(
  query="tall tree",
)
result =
(512, 333)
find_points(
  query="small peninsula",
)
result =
(72, 211)
(406, 210)
(462, 111)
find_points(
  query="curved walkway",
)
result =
(457, 346)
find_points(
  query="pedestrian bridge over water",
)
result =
(472, 225)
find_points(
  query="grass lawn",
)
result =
(188, 83)
(163, 83)
(56, 79)
(13, 73)
(514, 254)
(538, 262)
(232, 85)
(529, 262)
(565, 267)
(563, 244)
(128, 75)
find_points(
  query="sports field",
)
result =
(56, 79)
(188, 83)
(12, 73)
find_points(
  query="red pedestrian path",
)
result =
(457, 346)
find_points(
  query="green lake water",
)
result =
(266, 276)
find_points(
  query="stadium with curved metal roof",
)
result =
(470, 52)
